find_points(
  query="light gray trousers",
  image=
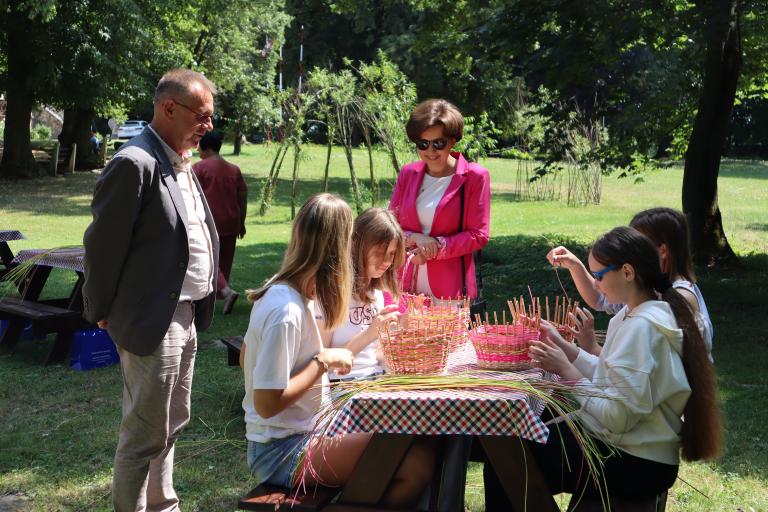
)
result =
(156, 407)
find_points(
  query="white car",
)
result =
(130, 129)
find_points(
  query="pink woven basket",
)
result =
(418, 350)
(503, 347)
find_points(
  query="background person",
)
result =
(227, 195)
(150, 278)
(427, 203)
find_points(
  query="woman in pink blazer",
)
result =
(427, 203)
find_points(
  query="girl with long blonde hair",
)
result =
(285, 364)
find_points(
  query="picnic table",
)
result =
(6, 255)
(62, 316)
(496, 420)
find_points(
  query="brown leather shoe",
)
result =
(229, 302)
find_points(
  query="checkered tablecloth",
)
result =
(447, 411)
(8, 235)
(69, 258)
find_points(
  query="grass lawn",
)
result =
(58, 427)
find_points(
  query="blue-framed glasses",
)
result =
(601, 273)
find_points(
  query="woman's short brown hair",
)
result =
(435, 112)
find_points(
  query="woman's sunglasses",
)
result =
(601, 273)
(438, 144)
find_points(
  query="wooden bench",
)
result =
(654, 504)
(234, 345)
(50, 152)
(270, 498)
(45, 318)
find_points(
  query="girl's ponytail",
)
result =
(702, 431)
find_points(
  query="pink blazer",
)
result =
(444, 272)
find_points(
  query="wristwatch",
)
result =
(316, 357)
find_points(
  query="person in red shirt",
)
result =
(227, 196)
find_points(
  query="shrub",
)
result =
(40, 132)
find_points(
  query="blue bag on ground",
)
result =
(92, 348)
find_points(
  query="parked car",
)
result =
(130, 129)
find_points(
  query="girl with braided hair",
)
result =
(653, 371)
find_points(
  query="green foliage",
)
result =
(236, 45)
(479, 138)
(40, 132)
(516, 154)
(57, 448)
(385, 99)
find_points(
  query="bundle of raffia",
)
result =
(419, 348)
(502, 345)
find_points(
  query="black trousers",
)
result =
(623, 475)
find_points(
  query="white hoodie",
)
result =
(635, 391)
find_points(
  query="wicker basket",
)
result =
(503, 347)
(421, 350)
(452, 316)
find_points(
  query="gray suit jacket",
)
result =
(136, 248)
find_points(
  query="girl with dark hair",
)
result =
(378, 250)
(652, 371)
(668, 230)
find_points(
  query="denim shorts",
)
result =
(276, 462)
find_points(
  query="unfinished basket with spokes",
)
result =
(421, 348)
(503, 346)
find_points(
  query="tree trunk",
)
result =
(17, 154)
(238, 146)
(274, 171)
(327, 162)
(295, 178)
(76, 129)
(353, 177)
(702, 162)
(374, 184)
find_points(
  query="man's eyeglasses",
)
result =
(438, 144)
(601, 273)
(200, 118)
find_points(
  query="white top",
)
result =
(198, 281)
(281, 340)
(431, 192)
(360, 318)
(634, 393)
(703, 322)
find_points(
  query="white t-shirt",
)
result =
(431, 192)
(703, 322)
(359, 319)
(281, 340)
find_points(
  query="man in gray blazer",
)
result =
(151, 254)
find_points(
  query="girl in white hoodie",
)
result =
(653, 370)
